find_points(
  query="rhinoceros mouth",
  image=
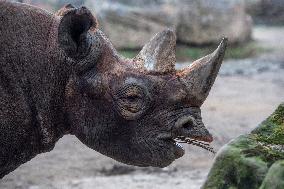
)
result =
(202, 142)
(178, 148)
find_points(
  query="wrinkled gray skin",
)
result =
(60, 75)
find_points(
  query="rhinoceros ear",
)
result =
(73, 30)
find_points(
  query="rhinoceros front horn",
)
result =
(200, 75)
(159, 54)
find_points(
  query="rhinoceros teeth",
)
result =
(179, 145)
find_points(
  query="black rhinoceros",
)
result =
(59, 74)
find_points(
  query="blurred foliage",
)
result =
(244, 51)
(189, 53)
(128, 53)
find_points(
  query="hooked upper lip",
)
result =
(208, 139)
(169, 136)
(187, 130)
(202, 142)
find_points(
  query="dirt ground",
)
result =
(245, 93)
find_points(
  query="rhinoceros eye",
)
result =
(133, 93)
(133, 98)
(131, 101)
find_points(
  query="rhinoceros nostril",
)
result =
(187, 125)
(185, 122)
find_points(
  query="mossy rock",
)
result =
(275, 176)
(252, 161)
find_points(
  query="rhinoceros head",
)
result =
(132, 109)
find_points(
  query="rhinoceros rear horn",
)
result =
(200, 75)
(159, 54)
(73, 36)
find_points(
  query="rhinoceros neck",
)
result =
(33, 76)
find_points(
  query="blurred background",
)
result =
(249, 87)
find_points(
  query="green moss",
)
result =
(265, 153)
(250, 147)
(274, 177)
(271, 131)
(234, 169)
(268, 134)
(278, 116)
(245, 161)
